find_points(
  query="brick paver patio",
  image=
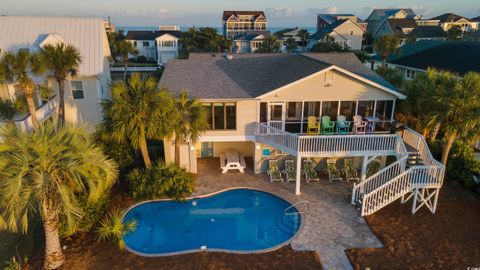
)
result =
(332, 225)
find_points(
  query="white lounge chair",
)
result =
(290, 171)
(274, 172)
(333, 172)
(309, 171)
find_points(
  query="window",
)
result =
(365, 108)
(330, 108)
(409, 74)
(294, 111)
(146, 44)
(77, 89)
(311, 109)
(221, 116)
(167, 43)
(263, 112)
(135, 44)
(24, 50)
(347, 108)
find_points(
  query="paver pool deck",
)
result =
(332, 225)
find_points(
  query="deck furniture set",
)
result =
(309, 172)
(326, 126)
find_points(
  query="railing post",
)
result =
(298, 174)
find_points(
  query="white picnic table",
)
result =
(232, 161)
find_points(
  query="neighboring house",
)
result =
(285, 34)
(408, 29)
(84, 92)
(378, 16)
(159, 46)
(249, 42)
(456, 56)
(427, 22)
(259, 104)
(447, 20)
(323, 20)
(345, 32)
(237, 23)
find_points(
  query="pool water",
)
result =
(238, 220)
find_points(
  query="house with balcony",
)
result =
(249, 42)
(84, 92)
(344, 31)
(237, 23)
(323, 20)
(157, 46)
(264, 106)
(447, 20)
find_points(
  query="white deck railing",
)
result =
(43, 113)
(328, 145)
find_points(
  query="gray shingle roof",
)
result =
(449, 17)
(384, 13)
(151, 35)
(251, 35)
(208, 76)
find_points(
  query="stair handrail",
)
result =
(298, 212)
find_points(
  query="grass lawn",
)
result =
(450, 239)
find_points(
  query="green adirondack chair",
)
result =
(328, 127)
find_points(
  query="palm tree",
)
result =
(190, 122)
(138, 111)
(385, 45)
(124, 49)
(269, 45)
(304, 35)
(455, 105)
(42, 172)
(18, 68)
(63, 61)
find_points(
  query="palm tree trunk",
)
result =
(61, 102)
(125, 67)
(435, 131)
(31, 109)
(177, 152)
(144, 149)
(53, 251)
(447, 145)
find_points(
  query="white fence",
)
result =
(134, 69)
(43, 113)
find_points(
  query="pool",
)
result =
(237, 220)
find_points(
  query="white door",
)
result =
(276, 115)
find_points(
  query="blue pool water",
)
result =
(238, 220)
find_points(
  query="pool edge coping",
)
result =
(273, 248)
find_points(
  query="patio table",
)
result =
(232, 161)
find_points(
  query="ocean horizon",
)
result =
(219, 29)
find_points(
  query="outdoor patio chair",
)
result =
(333, 172)
(371, 126)
(359, 126)
(290, 171)
(309, 171)
(328, 127)
(351, 173)
(274, 172)
(343, 126)
(313, 127)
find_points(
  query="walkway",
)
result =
(333, 225)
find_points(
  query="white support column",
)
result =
(298, 176)
(392, 117)
(301, 117)
(363, 174)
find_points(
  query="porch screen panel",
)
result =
(347, 108)
(231, 115)
(384, 109)
(365, 108)
(218, 116)
(310, 108)
(293, 117)
(330, 108)
(276, 112)
(208, 110)
(263, 112)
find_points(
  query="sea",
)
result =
(184, 28)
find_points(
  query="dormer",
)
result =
(52, 39)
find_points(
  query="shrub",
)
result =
(462, 164)
(91, 214)
(159, 181)
(122, 153)
(373, 168)
(391, 75)
(141, 59)
(112, 227)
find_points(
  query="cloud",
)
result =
(327, 10)
(278, 12)
(422, 11)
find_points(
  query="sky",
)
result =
(208, 12)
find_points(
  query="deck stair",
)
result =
(414, 175)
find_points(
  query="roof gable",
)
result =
(86, 34)
(52, 39)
